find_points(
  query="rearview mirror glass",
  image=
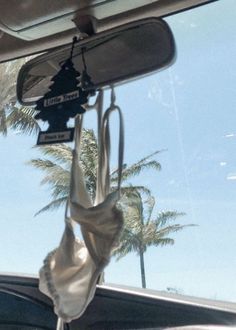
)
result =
(111, 57)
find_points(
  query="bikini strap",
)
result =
(103, 177)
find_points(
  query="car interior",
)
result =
(118, 42)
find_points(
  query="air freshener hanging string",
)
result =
(75, 39)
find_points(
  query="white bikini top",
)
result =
(70, 272)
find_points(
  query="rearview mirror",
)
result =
(112, 57)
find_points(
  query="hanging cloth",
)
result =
(70, 272)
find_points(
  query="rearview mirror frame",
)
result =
(89, 41)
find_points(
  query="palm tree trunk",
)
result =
(142, 268)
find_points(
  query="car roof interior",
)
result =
(33, 27)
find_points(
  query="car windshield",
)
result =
(180, 142)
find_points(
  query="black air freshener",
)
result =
(65, 100)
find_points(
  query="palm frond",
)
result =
(58, 176)
(164, 232)
(59, 152)
(132, 221)
(162, 242)
(42, 164)
(89, 160)
(129, 192)
(144, 159)
(45, 164)
(89, 148)
(138, 167)
(122, 251)
(149, 203)
(52, 206)
(22, 119)
(60, 190)
(9, 71)
(3, 122)
(55, 173)
(129, 243)
(165, 216)
(145, 230)
(89, 141)
(134, 207)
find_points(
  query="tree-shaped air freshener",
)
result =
(65, 99)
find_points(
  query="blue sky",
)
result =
(189, 110)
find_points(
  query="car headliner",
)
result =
(42, 27)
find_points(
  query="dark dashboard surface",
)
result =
(23, 307)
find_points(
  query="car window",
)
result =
(19, 312)
(187, 114)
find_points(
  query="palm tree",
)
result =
(142, 230)
(12, 116)
(57, 165)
